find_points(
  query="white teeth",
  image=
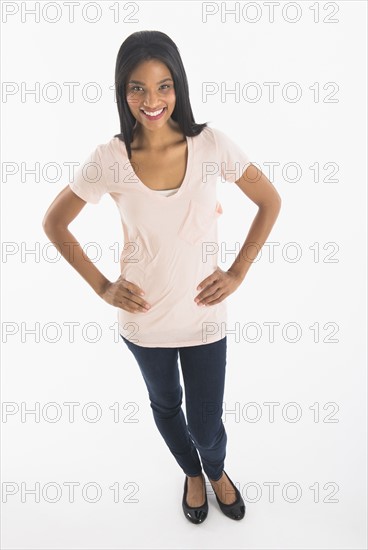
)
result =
(155, 113)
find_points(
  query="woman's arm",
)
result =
(262, 192)
(62, 211)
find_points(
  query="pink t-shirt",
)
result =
(170, 240)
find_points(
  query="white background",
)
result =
(316, 292)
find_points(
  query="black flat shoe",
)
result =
(235, 510)
(195, 514)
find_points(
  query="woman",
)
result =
(161, 171)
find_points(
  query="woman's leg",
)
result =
(203, 369)
(159, 367)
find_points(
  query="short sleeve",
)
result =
(232, 160)
(90, 181)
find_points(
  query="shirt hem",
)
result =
(187, 343)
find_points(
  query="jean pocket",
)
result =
(198, 221)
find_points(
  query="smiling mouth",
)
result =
(153, 114)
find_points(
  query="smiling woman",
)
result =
(163, 89)
(158, 150)
(161, 170)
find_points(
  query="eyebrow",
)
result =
(139, 82)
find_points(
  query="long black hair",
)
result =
(144, 45)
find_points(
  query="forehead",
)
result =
(150, 69)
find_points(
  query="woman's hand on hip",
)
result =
(126, 295)
(216, 287)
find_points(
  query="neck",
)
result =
(155, 140)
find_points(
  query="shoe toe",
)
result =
(236, 510)
(238, 514)
(196, 516)
(200, 515)
(192, 513)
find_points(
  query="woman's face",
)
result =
(150, 88)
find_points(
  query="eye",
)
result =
(135, 88)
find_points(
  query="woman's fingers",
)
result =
(131, 297)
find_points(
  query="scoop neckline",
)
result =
(184, 183)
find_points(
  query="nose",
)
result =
(151, 100)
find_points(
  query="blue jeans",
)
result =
(203, 368)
